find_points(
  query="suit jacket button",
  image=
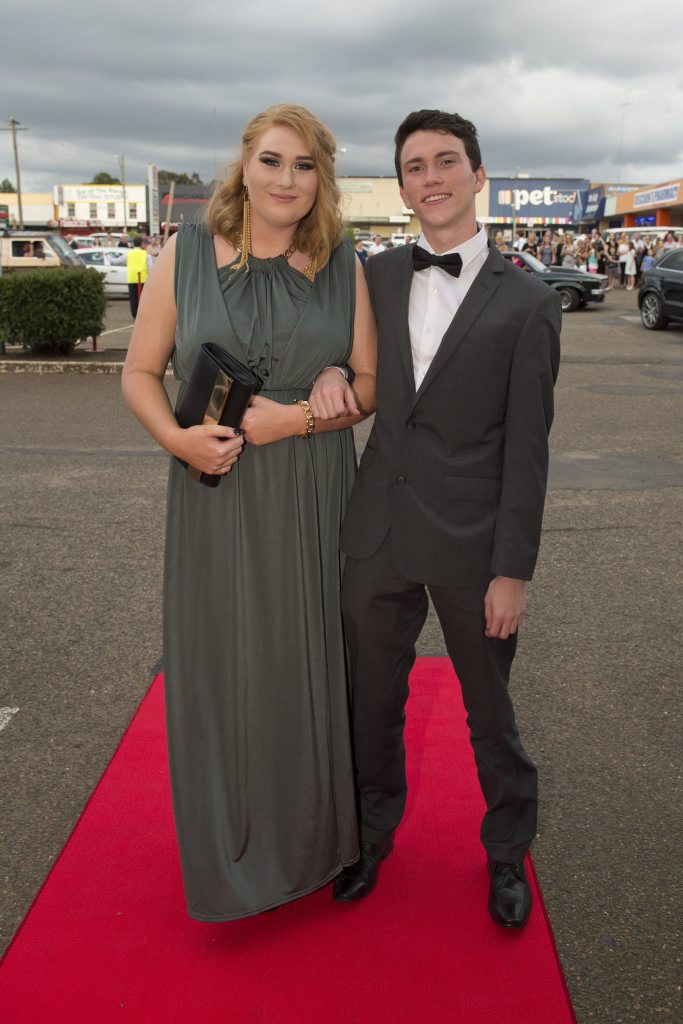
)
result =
(400, 479)
(411, 424)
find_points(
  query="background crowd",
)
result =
(624, 259)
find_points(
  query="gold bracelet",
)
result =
(310, 418)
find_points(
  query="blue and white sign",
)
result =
(665, 194)
(594, 206)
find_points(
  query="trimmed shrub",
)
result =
(49, 310)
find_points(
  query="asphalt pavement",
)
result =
(596, 680)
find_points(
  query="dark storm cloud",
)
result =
(553, 90)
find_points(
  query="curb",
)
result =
(44, 366)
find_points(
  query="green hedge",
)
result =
(49, 310)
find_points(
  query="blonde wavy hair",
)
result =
(322, 229)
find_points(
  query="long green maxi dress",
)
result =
(254, 656)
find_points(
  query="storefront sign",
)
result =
(4, 213)
(536, 197)
(594, 206)
(153, 199)
(657, 196)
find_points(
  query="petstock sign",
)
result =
(4, 215)
(551, 200)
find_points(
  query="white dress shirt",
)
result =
(435, 298)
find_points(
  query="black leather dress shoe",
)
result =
(509, 895)
(360, 878)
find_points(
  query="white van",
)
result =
(644, 232)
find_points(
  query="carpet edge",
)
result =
(80, 817)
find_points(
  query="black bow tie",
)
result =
(451, 263)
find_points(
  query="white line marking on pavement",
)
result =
(115, 329)
(6, 716)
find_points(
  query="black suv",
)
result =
(660, 296)
(575, 287)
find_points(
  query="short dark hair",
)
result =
(437, 121)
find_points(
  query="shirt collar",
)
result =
(468, 250)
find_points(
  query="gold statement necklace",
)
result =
(309, 270)
(244, 243)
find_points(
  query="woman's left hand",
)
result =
(266, 421)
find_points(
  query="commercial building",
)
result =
(659, 206)
(93, 207)
(37, 208)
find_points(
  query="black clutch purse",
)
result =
(218, 391)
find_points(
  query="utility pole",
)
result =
(14, 128)
(122, 170)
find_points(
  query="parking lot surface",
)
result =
(596, 680)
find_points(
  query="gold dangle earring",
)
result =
(245, 241)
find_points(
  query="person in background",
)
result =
(501, 242)
(630, 267)
(545, 250)
(377, 246)
(648, 261)
(520, 243)
(532, 245)
(623, 249)
(360, 252)
(669, 241)
(582, 251)
(568, 251)
(109, 239)
(136, 262)
(612, 260)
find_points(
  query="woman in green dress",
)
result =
(254, 655)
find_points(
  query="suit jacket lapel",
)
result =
(481, 290)
(404, 280)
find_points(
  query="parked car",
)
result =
(575, 287)
(660, 296)
(110, 262)
(35, 250)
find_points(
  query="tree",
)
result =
(104, 178)
(7, 186)
(180, 179)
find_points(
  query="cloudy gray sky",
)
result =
(594, 90)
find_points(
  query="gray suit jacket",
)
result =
(457, 471)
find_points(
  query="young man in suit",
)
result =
(449, 498)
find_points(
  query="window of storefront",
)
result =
(71, 209)
(111, 210)
(93, 211)
(133, 211)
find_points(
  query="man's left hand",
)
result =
(504, 606)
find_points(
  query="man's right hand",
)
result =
(332, 396)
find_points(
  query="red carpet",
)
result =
(107, 938)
